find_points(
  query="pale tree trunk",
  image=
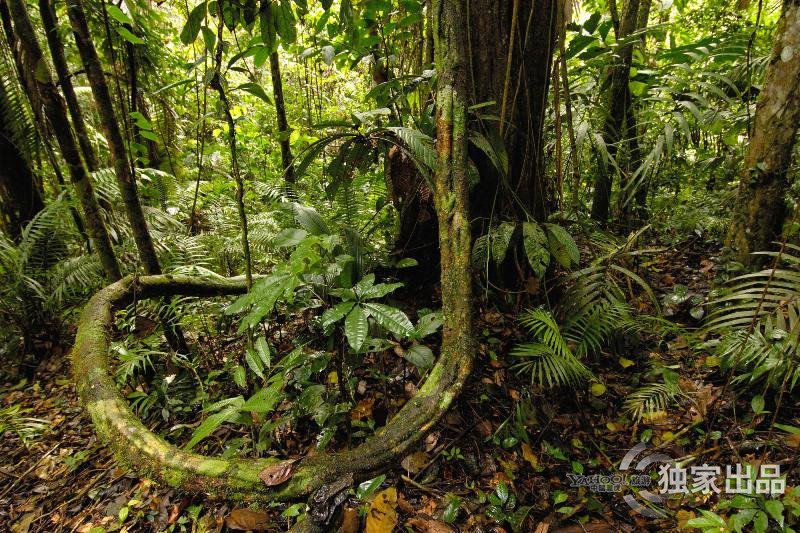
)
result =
(283, 124)
(57, 115)
(761, 209)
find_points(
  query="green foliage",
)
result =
(549, 360)
(13, 420)
(756, 318)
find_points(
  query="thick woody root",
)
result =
(150, 456)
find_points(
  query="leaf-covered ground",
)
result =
(498, 462)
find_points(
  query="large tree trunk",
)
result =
(619, 101)
(512, 68)
(283, 124)
(50, 24)
(761, 207)
(57, 115)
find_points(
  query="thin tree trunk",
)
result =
(760, 210)
(116, 143)
(283, 124)
(57, 115)
(619, 100)
(573, 145)
(216, 84)
(50, 24)
(119, 158)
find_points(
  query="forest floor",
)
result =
(475, 472)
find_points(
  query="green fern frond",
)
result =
(650, 399)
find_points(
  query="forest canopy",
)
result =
(399, 265)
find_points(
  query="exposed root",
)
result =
(151, 456)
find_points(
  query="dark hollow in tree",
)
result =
(20, 193)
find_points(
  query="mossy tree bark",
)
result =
(150, 455)
(761, 209)
(57, 115)
(50, 25)
(283, 124)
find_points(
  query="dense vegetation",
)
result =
(396, 264)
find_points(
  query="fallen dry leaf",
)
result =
(415, 462)
(247, 519)
(528, 455)
(422, 525)
(277, 473)
(350, 520)
(382, 516)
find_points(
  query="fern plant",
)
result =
(757, 319)
(548, 359)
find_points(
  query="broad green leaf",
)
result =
(118, 15)
(562, 246)
(193, 23)
(335, 314)
(390, 318)
(209, 38)
(211, 423)
(420, 356)
(534, 240)
(264, 400)
(775, 510)
(356, 327)
(129, 36)
(380, 290)
(263, 351)
(254, 362)
(501, 240)
(428, 324)
(256, 90)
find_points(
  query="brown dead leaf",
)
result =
(382, 516)
(415, 462)
(247, 519)
(422, 525)
(363, 409)
(350, 520)
(543, 527)
(277, 473)
(528, 455)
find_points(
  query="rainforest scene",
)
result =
(432, 266)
